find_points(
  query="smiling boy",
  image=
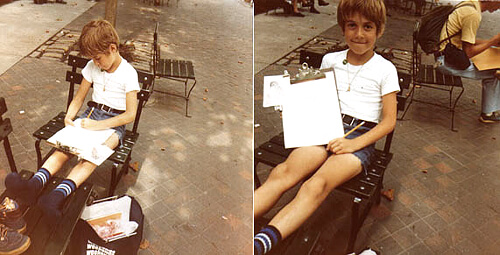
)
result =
(367, 85)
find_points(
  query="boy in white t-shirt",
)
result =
(367, 87)
(114, 104)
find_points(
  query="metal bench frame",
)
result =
(5, 130)
(177, 70)
(122, 154)
(427, 76)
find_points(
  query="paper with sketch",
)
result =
(488, 59)
(86, 144)
(311, 113)
(111, 219)
(274, 87)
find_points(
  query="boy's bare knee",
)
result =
(316, 188)
(281, 175)
(113, 141)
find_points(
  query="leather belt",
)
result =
(349, 120)
(104, 107)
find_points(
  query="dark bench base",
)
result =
(52, 239)
(364, 188)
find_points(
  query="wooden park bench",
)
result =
(364, 188)
(122, 155)
(45, 238)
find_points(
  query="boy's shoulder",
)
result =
(333, 57)
(382, 62)
(336, 54)
(125, 66)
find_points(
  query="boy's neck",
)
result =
(116, 64)
(355, 59)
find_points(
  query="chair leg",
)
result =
(256, 179)
(354, 225)
(10, 157)
(412, 92)
(453, 111)
(187, 94)
(112, 184)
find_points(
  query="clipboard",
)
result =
(488, 59)
(311, 109)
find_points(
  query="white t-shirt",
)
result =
(376, 78)
(111, 88)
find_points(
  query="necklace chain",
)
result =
(349, 81)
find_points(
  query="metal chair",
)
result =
(427, 76)
(122, 154)
(178, 70)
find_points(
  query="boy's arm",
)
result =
(122, 119)
(389, 115)
(77, 102)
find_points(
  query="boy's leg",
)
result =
(336, 170)
(27, 190)
(300, 163)
(51, 204)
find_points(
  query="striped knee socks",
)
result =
(267, 237)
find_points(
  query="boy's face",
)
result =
(360, 34)
(106, 61)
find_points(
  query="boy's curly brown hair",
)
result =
(96, 37)
(373, 10)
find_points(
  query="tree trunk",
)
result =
(110, 11)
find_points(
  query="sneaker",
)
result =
(368, 252)
(313, 10)
(12, 242)
(11, 216)
(489, 119)
(298, 14)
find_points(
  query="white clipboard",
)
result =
(311, 112)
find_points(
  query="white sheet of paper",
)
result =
(311, 113)
(98, 210)
(88, 143)
(274, 89)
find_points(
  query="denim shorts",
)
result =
(99, 114)
(366, 154)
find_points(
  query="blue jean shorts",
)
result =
(365, 154)
(99, 114)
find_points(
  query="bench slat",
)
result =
(5, 128)
(77, 61)
(3, 106)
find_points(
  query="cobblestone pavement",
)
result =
(446, 183)
(195, 174)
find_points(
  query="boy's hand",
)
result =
(341, 146)
(68, 122)
(89, 124)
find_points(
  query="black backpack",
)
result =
(85, 240)
(431, 25)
